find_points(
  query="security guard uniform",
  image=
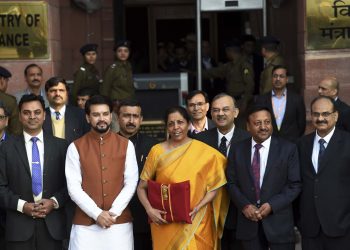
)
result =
(14, 126)
(118, 82)
(87, 76)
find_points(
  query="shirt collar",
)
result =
(3, 138)
(42, 92)
(265, 144)
(283, 94)
(228, 135)
(28, 137)
(327, 138)
(192, 128)
(62, 111)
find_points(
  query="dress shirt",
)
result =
(192, 128)
(316, 147)
(264, 153)
(279, 106)
(3, 138)
(83, 200)
(62, 112)
(228, 137)
(28, 145)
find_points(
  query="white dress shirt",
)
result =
(316, 147)
(228, 137)
(264, 153)
(62, 112)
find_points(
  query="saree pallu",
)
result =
(204, 167)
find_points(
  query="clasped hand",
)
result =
(39, 209)
(253, 213)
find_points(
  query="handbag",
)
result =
(174, 198)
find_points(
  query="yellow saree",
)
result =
(205, 168)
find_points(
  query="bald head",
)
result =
(329, 86)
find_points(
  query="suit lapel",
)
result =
(309, 145)
(47, 126)
(247, 158)
(331, 149)
(272, 156)
(287, 109)
(270, 106)
(22, 153)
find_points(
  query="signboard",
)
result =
(23, 30)
(328, 24)
(155, 129)
(220, 5)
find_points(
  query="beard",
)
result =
(100, 129)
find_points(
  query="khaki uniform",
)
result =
(239, 77)
(87, 76)
(118, 83)
(14, 126)
(266, 74)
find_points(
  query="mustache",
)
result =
(102, 122)
(131, 125)
(321, 122)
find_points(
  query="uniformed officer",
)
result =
(14, 126)
(87, 76)
(269, 50)
(238, 75)
(118, 82)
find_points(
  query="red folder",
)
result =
(173, 198)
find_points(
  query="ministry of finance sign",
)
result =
(23, 30)
(328, 24)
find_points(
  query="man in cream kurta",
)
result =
(102, 175)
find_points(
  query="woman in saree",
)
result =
(179, 159)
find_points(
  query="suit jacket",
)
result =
(210, 137)
(75, 123)
(324, 200)
(346, 120)
(211, 125)
(14, 126)
(281, 185)
(143, 145)
(16, 183)
(342, 109)
(294, 120)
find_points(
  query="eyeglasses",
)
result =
(323, 114)
(2, 117)
(224, 110)
(198, 104)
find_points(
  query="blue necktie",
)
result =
(58, 114)
(36, 168)
(321, 151)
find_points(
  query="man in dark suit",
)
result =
(224, 111)
(32, 184)
(329, 86)
(263, 179)
(325, 171)
(288, 108)
(197, 105)
(63, 121)
(130, 119)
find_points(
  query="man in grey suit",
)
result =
(32, 182)
(263, 178)
(33, 75)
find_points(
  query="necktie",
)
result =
(57, 115)
(256, 170)
(222, 146)
(36, 168)
(321, 151)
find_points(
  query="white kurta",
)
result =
(118, 236)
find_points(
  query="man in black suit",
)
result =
(130, 119)
(329, 86)
(224, 111)
(288, 108)
(197, 105)
(63, 121)
(32, 184)
(263, 178)
(325, 171)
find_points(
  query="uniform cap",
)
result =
(270, 40)
(88, 47)
(4, 72)
(122, 43)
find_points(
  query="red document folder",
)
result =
(173, 198)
